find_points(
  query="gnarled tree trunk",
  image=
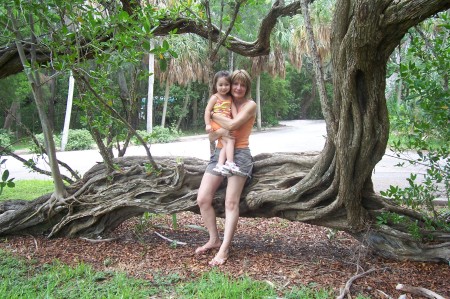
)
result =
(333, 188)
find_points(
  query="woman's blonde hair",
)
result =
(243, 77)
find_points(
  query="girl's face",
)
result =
(238, 89)
(223, 86)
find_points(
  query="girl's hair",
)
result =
(243, 77)
(217, 76)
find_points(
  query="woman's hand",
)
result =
(208, 128)
(214, 135)
(248, 111)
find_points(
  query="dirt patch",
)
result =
(285, 253)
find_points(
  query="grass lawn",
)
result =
(27, 189)
(25, 278)
(21, 278)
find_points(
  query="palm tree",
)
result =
(299, 48)
(186, 68)
(274, 64)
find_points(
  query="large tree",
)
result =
(333, 188)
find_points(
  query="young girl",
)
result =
(222, 103)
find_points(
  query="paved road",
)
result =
(292, 136)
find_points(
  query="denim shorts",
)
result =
(242, 157)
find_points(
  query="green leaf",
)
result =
(5, 175)
(163, 64)
(165, 46)
(173, 53)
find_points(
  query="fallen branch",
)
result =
(418, 291)
(98, 240)
(170, 240)
(386, 295)
(35, 243)
(346, 289)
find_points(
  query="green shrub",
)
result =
(159, 135)
(5, 138)
(79, 140)
(40, 138)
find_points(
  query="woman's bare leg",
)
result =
(210, 183)
(233, 195)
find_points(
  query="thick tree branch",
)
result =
(10, 62)
(41, 171)
(406, 14)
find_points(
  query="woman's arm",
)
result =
(247, 112)
(214, 135)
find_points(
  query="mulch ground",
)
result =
(286, 254)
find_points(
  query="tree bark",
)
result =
(258, 102)
(332, 188)
(33, 77)
(100, 202)
(11, 115)
(185, 110)
(308, 100)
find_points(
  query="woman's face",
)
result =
(238, 89)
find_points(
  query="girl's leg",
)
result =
(229, 149)
(232, 198)
(223, 152)
(205, 196)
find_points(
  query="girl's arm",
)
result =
(207, 116)
(247, 112)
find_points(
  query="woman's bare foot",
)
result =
(217, 261)
(207, 247)
(220, 259)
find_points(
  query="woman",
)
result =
(240, 128)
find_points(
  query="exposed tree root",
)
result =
(419, 291)
(346, 289)
(283, 185)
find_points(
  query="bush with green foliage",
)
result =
(5, 138)
(420, 121)
(79, 139)
(275, 98)
(158, 135)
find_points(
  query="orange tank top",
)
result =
(242, 134)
